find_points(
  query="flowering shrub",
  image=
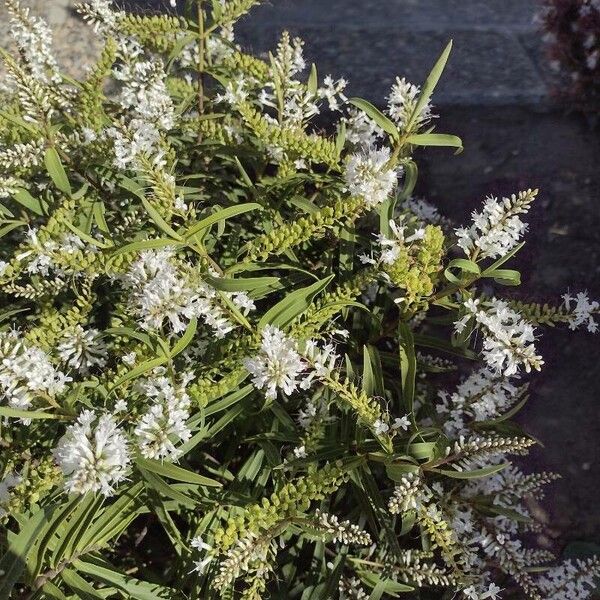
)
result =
(237, 358)
(572, 37)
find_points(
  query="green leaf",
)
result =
(35, 205)
(85, 237)
(163, 489)
(244, 284)
(294, 304)
(186, 339)
(176, 473)
(376, 115)
(134, 588)
(313, 81)
(6, 411)
(483, 472)
(429, 85)
(115, 518)
(382, 585)
(373, 383)
(56, 171)
(80, 586)
(76, 526)
(10, 227)
(12, 563)
(221, 215)
(159, 221)
(465, 266)
(504, 276)
(436, 139)
(408, 365)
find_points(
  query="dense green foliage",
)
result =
(215, 380)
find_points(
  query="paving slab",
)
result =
(485, 67)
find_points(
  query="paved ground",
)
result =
(495, 94)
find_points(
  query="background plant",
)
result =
(572, 36)
(216, 380)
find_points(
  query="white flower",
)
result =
(508, 340)
(409, 494)
(583, 311)
(34, 39)
(380, 427)
(164, 289)
(401, 423)
(497, 228)
(144, 93)
(164, 424)
(26, 371)
(402, 103)
(571, 580)
(199, 544)
(369, 177)
(300, 452)
(391, 248)
(332, 91)
(3, 267)
(490, 594)
(93, 454)
(236, 92)
(278, 365)
(129, 359)
(100, 14)
(83, 349)
(482, 396)
(361, 130)
(120, 406)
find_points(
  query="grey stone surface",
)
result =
(372, 41)
(74, 44)
(484, 68)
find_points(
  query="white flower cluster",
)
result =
(402, 103)
(482, 396)
(497, 228)
(490, 592)
(146, 101)
(165, 290)
(46, 257)
(25, 372)
(100, 15)
(391, 248)
(361, 130)
(9, 186)
(508, 340)
(164, 424)
(93, 454)
(572, 580)
(369, 176)
(425, 212)
(27, 154)
(409, 494)
(199, 544)
(583, 311)
(34, 39)
(279, 365)
(344, 532)
(83, 349)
